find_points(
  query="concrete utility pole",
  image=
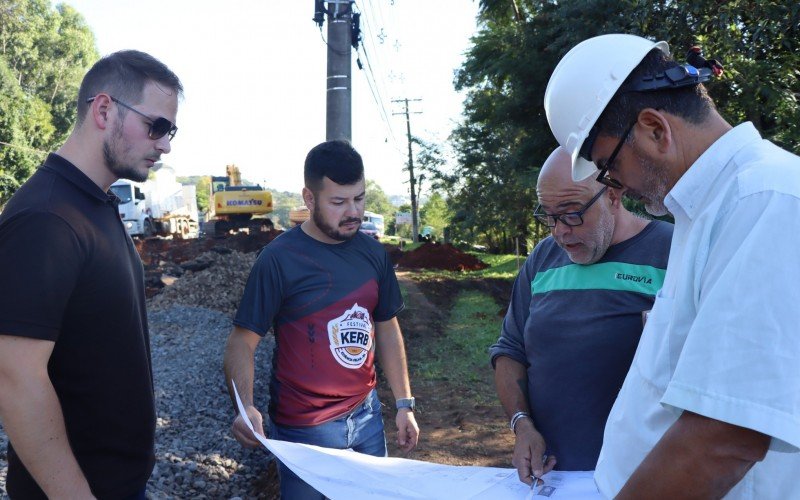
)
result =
(412, 181)
(339, 89)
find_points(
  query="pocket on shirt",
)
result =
(652, 358)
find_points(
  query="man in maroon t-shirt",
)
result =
(331, 296)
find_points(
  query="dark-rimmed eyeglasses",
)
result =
(603, 177)
(158, 127)
(571, 219)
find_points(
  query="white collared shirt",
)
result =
(723, 338)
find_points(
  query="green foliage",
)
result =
(501, 266)
(376, 199)
(505, 137)
(474, 325)
(436, 214)
(203, 193)
(44, 53)
(282, 202)
(24, 127)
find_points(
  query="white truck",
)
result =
(160, 206)
(376, 219)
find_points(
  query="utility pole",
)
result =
(412, 181)
(339, 90)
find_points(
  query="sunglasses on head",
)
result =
(158, 127)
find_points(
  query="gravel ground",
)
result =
(196, 454)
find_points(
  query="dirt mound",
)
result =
(167, 259)
(395, 254)
(218, 285)
(438, 256)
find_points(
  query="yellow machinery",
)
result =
(236, 206)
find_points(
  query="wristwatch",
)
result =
(405, 403)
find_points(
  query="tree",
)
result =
(24, 127)
(44, 53)
(505, 137)
(377, 201)
(203, 190)
(435, 213)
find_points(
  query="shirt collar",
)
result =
(699, 180)
(63, 167)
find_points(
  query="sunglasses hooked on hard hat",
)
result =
(159, 127)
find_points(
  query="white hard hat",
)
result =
(582, 85)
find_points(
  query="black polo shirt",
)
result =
(71, 275)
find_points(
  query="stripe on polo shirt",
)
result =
(618, 276)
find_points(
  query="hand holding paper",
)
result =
(248, 426)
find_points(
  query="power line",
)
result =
(372, 80)
(377, 94)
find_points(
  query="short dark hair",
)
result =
(124, 74)
(337, 160)
(691, 103)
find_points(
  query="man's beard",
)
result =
(119, 168)
(595, 243)
(655, 186)
(330, 231)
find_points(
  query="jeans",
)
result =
(360, 430)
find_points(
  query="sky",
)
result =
(254, 74)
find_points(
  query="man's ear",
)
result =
(615, 196)
(654, 131)
(308, 198)
(98, 111)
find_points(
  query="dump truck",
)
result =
(233, 206)
(160, 206)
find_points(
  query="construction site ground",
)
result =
(461, 421)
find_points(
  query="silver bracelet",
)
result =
(516, 418)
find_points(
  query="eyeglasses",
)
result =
(603, 177)
(571, 219)
(158, 127)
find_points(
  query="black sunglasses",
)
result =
(158, 127)
(603, 177)
(571, 219)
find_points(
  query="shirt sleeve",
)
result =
(739, 363)
(390, 300)
(40, 264)
(263, 294)
(512, 334)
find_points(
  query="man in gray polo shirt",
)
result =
(574, 320)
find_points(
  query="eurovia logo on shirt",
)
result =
(350, 337)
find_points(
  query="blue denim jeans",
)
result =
(360, 430)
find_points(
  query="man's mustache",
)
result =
(349, 221)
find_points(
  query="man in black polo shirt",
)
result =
(76, 388)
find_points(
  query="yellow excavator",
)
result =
(234, 207)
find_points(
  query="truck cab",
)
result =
(158, 206)
(133, 208)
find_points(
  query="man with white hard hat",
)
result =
(711, 404)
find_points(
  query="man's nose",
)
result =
(163, 144)
(354, 208)
(560, 228)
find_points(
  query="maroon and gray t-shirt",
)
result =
(323, 301)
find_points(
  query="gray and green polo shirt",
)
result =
(576, 327)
